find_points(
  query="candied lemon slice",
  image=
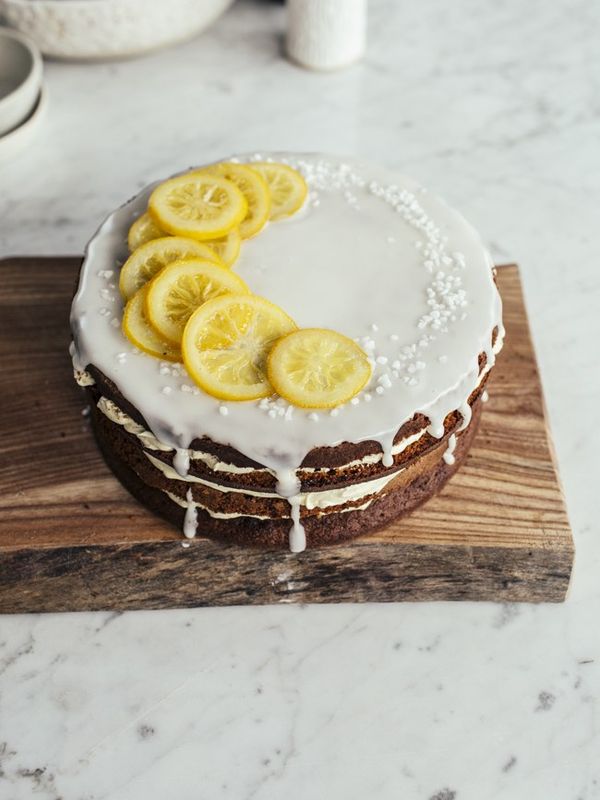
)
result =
(145, 262)
(139, 331)
(288, 188)
(226, 342)
(315, 368)
(254, 188)
(143, 230)
(181, 287)
(199, 204)
(227, 248)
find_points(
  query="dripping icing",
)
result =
(449, 454)
(191, 516)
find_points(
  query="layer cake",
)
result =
(370, 254)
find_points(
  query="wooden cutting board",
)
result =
(72, 539)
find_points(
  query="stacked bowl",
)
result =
(22, 97)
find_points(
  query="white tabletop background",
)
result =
(497, 106)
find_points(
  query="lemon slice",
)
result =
(228, 248)
(145, 262)
(139, 331)
(315, 368)
(254, 188)
(181, 287)
(199, 204)
(226, 342)
(288, 188)
(143, 230)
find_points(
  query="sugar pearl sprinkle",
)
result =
(446, 298)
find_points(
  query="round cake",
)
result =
(370, 255)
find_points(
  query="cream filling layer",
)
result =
(310, 500)
(191, 504)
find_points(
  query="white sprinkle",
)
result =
(186, 544)
(185, 387)
(272, 412)
(379, 389)
(355, 401)
(334, 412)
(223, 411)
(166, 390)
(314, 417)
(443, 359)
(85, 412)
(385, 381)
(374, 327)
(381, 359)
(394, 337)
(368, 397)
(115, 322)
(396, 364)
(164, 371)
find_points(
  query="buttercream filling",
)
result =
(188, 503)
(311, 500)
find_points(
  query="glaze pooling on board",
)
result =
(370, 255)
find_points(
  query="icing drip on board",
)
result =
(362, 234)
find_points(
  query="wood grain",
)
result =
(72, 539)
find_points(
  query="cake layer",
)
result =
(423, 479)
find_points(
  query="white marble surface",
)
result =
(495, 105)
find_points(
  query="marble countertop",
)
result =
(496, 106)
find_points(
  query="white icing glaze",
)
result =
(190, 519)
(371, 255)
(181, 461)
(449, 454)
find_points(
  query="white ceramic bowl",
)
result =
(102, 29)
(20, 78)
(19, 138)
